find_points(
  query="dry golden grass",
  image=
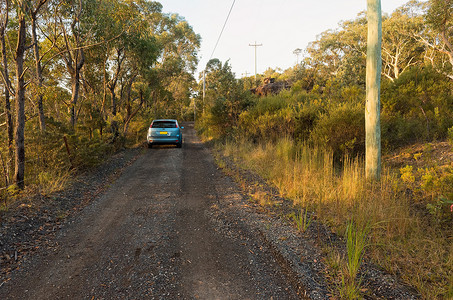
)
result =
(403, 238)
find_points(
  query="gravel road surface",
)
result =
(151, 235)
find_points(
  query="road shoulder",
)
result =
(303, 255)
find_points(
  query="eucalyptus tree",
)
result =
(220, 80)
(132, 55)
(178, 60)
(340, 54)
(119, 21)
(24, 9)
(74, 23)
(4, 18)
(34, 14)
(137, 75)
(400, 47)
(140, 50)
(225, 97)
(145, 52)
(439, 18)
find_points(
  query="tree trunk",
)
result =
(75, 87)
(131, 114)
(19, 173)
(74, 68)
(7, 95)
(74, 59)
(128, 103)
(112, 83)
(104, 96)
(373, 83)
(113, 95)
(39, 95)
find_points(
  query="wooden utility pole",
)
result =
(297, 52)
(373, 88)
(255, 45)
(204, 87)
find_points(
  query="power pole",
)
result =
(297, 52)
(255, 45)
(204, 87)
(373, 89)
(245, 73)
(194, 109)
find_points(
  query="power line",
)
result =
(220, 35)
(215, 47)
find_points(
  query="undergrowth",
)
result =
(53, 158)
(403, 223)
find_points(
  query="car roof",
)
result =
(165, 120)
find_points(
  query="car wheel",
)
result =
(179, 145)
(150, 145)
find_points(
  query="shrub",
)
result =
(416, 107)
(450, 135)
(398, 131)
(305, 117)
(341, 129)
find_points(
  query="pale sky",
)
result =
(281, 26)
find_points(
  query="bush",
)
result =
(450, 135)
(397, 131)
(341, 129)
(305, 116)
(416, 107)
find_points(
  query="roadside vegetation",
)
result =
(92, 75)
(308, 141)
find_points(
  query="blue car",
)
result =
(164, 131)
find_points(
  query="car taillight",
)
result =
(176, 125)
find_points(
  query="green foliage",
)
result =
(104, 65)
(356, 242)
(440, 15)
(225, 100)
(306, 115)
(407, 175)
(302, 220)
(440, 209)
(87, 152)
(49, 165)
(416, 107)
(450, 135)
(433, 184)
(349, 290)
(268, 118)
(341, 129)
(13, 191)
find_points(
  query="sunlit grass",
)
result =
(402, 239)
(302, 220)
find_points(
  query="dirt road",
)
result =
(152, 236)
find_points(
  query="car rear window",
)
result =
(164, 124)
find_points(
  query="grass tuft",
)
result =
(302, 220)
(404, 238)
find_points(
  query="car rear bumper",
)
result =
(164, 140)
